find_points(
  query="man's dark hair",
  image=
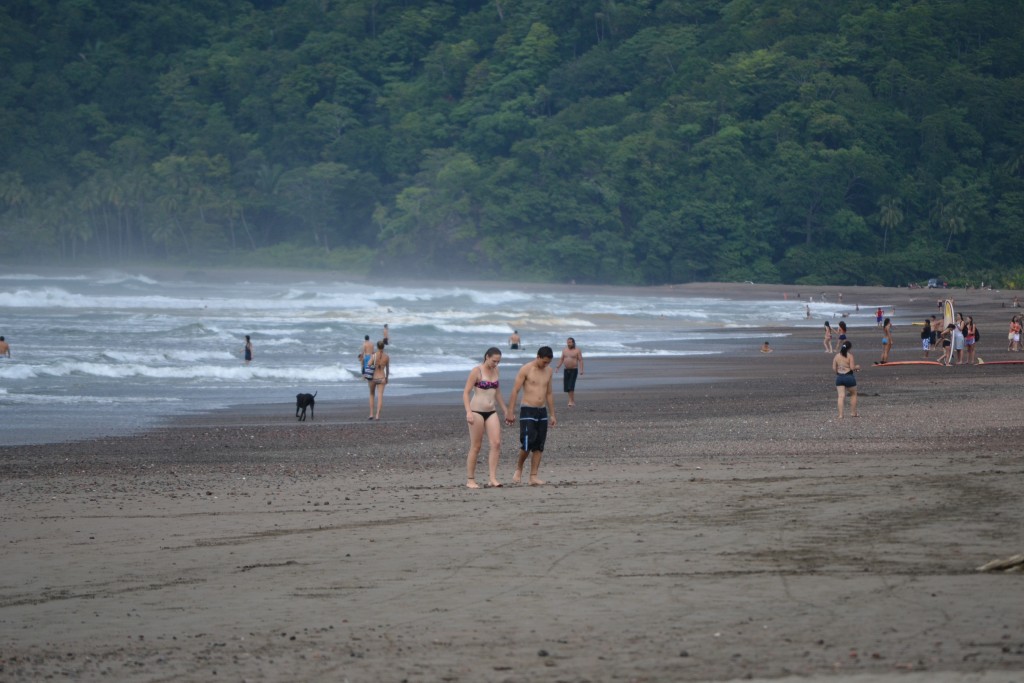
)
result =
(366, 337)
(545, 352)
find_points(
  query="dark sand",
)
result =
(706, 518)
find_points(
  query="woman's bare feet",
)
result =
(494, 483)
(470, 484)
(518, 476)
(534, 481)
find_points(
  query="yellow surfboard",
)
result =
(948, 316)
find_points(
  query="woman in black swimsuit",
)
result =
(481, 398)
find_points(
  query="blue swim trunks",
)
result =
(569, 379)
(847, 380)
(533, 428)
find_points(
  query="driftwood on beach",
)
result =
(1013, 563)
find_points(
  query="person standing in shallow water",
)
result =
(844, 366)
(247, 350)
(534, 379)
(366, 351)
(482, 397)
(828, 338)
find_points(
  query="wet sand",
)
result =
(706, 518)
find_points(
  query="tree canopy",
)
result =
(616, 141)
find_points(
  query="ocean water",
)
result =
(105, 352)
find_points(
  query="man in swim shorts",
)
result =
(513, 340)
(535, 414)
(572, 357)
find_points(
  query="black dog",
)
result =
(303, 401)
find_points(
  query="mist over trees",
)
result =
(630, 141)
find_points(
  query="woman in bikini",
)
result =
(844, 366)
(481, 398)
(886, 341)
(828, 338)
(970, 337)
(381, 374)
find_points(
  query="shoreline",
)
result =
(918, 303)
(707, 518)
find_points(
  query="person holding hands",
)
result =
(482, 397)
(534, 379)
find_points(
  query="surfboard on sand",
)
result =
(1000, 362)
(910, 362)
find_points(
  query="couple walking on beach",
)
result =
(482, 398)
(376, 368)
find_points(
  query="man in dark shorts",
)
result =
(572, 358)
(513, 340)
(535, 414)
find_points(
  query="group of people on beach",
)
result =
(957, 339)
(957, 342)
(481, 397)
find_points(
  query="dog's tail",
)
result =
(315, 393)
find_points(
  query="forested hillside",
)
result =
(630, 141)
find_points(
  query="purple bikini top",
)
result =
(487, 384)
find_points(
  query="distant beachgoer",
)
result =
(5, 348)
(958, 345)
(970, 339)
(807, 311)
(765, 348)
(381, 373)
(534, 379)
(842, 332)
(953, 340)
(513, 340)
(480, 397)
(886, 340)
(386, 339)
(572, 357)
(828, 338)
(878, 317)
(1013, 336)
(247, 350)
(947, 344)
(844, 366)
(366, 350)
(927, 338)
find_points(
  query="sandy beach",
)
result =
(706, 519)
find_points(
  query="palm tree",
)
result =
(890, 215)
(949, 216)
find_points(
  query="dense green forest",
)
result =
(629, 141)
